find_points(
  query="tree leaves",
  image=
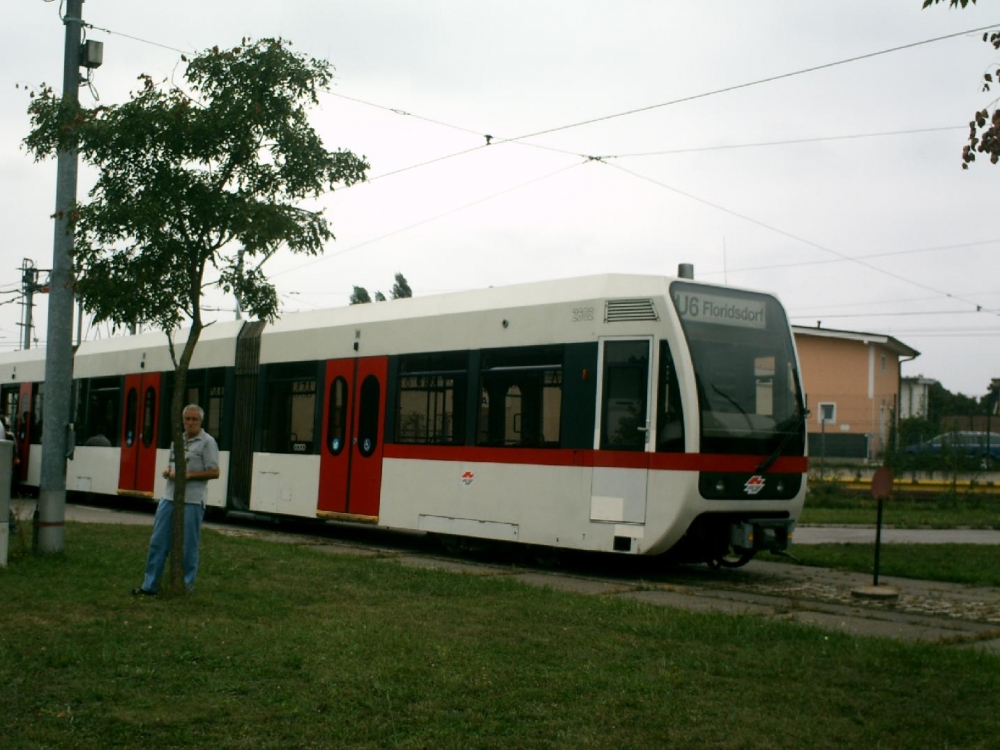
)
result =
(953, 3)
(400, 290)
(189, 179)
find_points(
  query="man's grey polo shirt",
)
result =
(202, 454)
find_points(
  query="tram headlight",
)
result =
(780, 486)
(720, 485)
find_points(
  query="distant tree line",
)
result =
(945, 410)
(400, 290)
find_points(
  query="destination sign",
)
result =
(716, 309)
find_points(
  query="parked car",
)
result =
(972, 444)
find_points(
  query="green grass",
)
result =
(974, 564)
(828, 505)
(285, 646)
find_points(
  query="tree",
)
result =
(197, 187)
(963, 3)
(400, 290)
(984, 128)
(360, 296)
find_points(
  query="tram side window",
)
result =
(148, 416)
(625, 390)
(213, 409)
(670, 414)
(520, 397)
(9, 397)
(102, 414)
(290, 409)
(37, 407)
(214, 381)
(430, 403)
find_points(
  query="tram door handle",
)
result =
(645, 430)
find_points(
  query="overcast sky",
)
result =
(840, 190)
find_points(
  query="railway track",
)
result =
(947, 613)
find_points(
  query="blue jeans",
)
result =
(159, 544)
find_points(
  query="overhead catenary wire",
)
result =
(787, 142)
(813, 312)
(429, 219)
(138, 39)
(789, 235)
(490, 139)
(826, 261)
(758, 82)
(499, 141)
(896, 314)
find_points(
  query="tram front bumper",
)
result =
(766, 534)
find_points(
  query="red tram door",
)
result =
(350, 474)
(138, 435)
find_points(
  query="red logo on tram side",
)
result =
(754, 484)
(468, 478)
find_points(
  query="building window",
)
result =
(885, 363)
(827, 413)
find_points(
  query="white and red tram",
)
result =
(627, 414)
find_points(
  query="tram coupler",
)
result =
(786, 553)
(765, 534)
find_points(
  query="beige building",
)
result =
(851, 382)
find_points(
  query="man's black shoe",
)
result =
(143, 592)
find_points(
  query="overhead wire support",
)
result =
(138, 39)
(56, 425)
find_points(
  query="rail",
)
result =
(907, 485)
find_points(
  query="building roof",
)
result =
(892, 344)
(918, 380)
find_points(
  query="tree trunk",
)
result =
(180, 460)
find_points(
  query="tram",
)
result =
(633, 415)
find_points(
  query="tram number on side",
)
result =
(583, 314)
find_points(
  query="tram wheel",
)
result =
(453, 545)
(546, 557)
(731, 561)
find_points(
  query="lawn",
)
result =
(828, 504)
(973, 564)
(287, 646)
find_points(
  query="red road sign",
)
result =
(882, 483)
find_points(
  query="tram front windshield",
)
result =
(744, 365)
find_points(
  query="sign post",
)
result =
(881, 491)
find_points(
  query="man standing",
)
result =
(202, 464)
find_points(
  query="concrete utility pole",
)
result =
(59, 341)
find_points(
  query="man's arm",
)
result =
(206, 474)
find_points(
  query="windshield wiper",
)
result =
(800, 422)
(735, 403)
